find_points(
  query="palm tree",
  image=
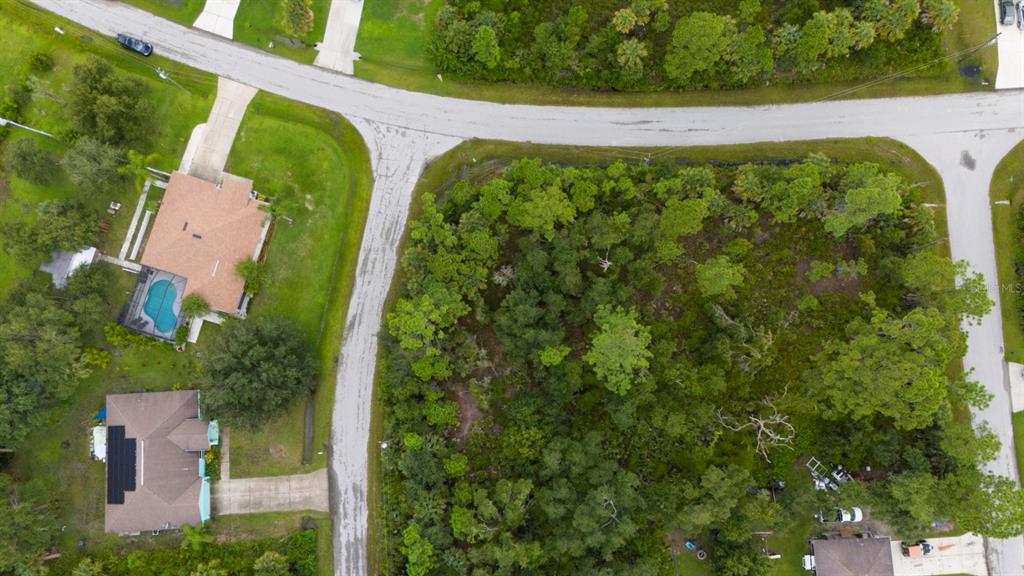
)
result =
(136, 166)
(195, 536)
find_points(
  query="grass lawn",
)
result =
(314, 168)
(480, 160)
(181, 11)
(393, 40)
(258, 22)
(1007, 184)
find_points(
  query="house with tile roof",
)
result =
(202, 231)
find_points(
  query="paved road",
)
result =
(591, 126)
(404, 129)
(966, 161)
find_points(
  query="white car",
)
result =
(854, 514)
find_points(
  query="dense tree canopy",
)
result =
(108, 105)
(582, 361)
(254, 370)
(654, 44)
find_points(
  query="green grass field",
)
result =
(1007, 184)
(258, 22)
(393, 40)
(479, 160)
(314, 168)
(181, 11)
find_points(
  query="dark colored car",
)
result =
(1020, 15)
(1007, 12)
(134, 44)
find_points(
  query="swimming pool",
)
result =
(159, 305)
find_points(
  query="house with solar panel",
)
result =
(201, 232)
(156, 474)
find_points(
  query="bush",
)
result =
(30, 162)
(194, 306)
(236, 558)
(253, 273)
(121, 337)
(40, 62)
(298, 17)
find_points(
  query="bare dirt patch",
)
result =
(469, 411)
(278, 451)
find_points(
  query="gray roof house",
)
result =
(853, 557)
(156, 475)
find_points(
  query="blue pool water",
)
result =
(159, 305)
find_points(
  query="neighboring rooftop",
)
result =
(853, 557)
(63, 264)
(154, 471)
(202, 231)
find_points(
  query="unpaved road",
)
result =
(404, 129)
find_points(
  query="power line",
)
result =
(955, 55)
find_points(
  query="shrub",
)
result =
(194, 306)
(121, 337)
(253, 273)
(40, 62)
(180, 335)
(298, 17)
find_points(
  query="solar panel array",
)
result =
(120, 464)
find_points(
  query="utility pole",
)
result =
(5, 122)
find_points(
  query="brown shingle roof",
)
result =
(202, 231)
(167, 483)
(853, 557)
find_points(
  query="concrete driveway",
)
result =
(1011, 54)
(959, 555)
(271, 494)
(210, 153)
(337, 51)
(218, 17)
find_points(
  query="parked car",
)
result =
(135, 44)
(1020, 16)
(916, 550)
(1007, 12)
(854, 514)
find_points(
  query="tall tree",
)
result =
(894, 367)
(255, 369)
(719, 277)
(619, 350)
(108, 105)
(699, 42)
(26, 159)
(92, 166)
